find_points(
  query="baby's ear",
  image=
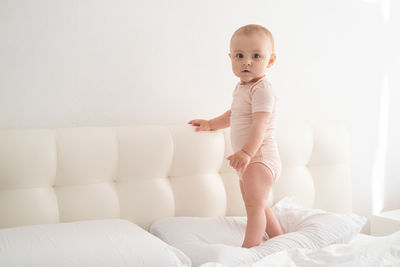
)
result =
(229, 55)
(272, 60)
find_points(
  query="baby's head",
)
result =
(251, 52)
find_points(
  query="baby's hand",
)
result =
(239, 161)
(204, 125)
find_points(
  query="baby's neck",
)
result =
(252, 81)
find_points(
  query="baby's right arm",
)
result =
(217, 123)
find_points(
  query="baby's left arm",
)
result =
(241, 158)
(257, 132)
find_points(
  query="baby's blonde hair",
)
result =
(252, 28)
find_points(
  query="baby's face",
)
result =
(251, 55)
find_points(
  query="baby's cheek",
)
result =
(260, 69)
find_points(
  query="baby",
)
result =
(253, 124)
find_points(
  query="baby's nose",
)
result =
(247, 62)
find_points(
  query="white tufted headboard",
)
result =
(146, 172)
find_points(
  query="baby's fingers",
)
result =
(240, 166)
(195, 123)
(235, 164)
(243, 168)
(201, 128)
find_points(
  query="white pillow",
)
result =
(219, 239)
(112, 242)
(317, 228)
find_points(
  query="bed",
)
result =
(113, 196)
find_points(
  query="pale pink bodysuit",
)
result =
(255, 97)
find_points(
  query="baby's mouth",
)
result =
(245, 71)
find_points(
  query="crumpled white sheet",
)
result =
(368, 251)
(219, 239)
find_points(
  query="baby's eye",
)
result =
(257, 56)
(239, 55)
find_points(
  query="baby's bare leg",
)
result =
(273, 227)
(256, 184)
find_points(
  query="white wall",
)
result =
(69, 63)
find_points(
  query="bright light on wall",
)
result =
(378, 176)
(385, 9)
(385, 6)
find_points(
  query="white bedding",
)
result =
(362, 251)
(112, 242)
(219, 239)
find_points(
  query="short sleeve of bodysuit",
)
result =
(262, 98)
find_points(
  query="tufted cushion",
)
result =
(146, 172)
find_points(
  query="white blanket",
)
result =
(365, 251)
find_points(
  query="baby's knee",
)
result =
(255, 203)
(255, 207)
